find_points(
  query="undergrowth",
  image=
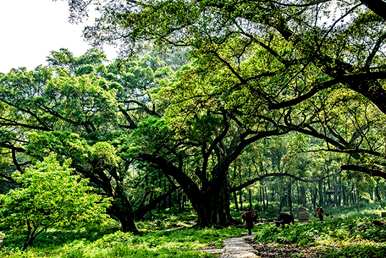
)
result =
(354, 234)
(172, 237)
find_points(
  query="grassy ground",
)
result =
(345, 233)
(167, 236)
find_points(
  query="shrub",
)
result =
(49, 196)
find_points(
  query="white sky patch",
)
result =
(30, 29)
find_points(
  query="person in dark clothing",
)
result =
(284, 219)
(319, 212)
(249, 217)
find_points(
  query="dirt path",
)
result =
(244, 247)
(236, 247)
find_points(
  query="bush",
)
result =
(49, 196)
(336, 229)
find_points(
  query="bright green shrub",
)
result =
(49, 196)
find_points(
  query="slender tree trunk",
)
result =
(314, 197)
(321, 193)
(303, 199)
(241, 199)
(266, 197)
(261, 197)
(282, 199)
(378, 197)
(289, 196)
(30, 236)
(336, 194)
(235, 200)
(300, 196)
(250, 198)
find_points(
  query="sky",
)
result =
(30, 29)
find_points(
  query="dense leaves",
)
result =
(50, 196)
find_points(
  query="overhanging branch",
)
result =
(371, 171)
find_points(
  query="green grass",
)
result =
(349, 234)
(171, 237)
(163, 243)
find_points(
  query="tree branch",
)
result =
(261, 177)
(372, 171)
(377, 6)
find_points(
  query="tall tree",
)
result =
(317, 47)
(81, 109)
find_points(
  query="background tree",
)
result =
(81, 109)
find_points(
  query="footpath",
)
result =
(236, 247)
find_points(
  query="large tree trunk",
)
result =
(212, 206)
(122, 211)
(211, 201)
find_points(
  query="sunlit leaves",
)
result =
(50, 195)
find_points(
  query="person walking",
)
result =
(249, 217)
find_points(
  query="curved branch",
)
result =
(259, 178)
(314, 89)
(170, 169)
(143, 209)
(371, 171)
(374, 50)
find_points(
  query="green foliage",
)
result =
(50, 196)
(84, 109)
(361, 249)
(336, 229)
(354, 235)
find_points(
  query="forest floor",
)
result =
(272, 250)
(245, 247)
(168, 235)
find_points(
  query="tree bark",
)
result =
(303, 198)
(289, 196)
(212, 206)
(30, 237)
(28, 241)
(241, 199)
(122, 210)
(235, 200)
(378, 197)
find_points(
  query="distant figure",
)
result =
(249, 216)
(284, 219)
(319, 212)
